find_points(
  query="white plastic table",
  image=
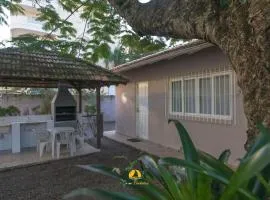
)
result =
(56, 130)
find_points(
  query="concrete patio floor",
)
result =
(144, 145)
(30, 156)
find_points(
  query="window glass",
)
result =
(189, 95)
(221, 95)
(176, 96)
(205, 95)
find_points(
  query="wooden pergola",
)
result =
(22, 68)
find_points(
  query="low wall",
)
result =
(26, 103)
(27, 124)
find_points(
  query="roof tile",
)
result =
(22, 68)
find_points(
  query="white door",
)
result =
(142, 110)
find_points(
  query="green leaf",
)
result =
(12, 6)
(215, 164)
(204, 191)
(263, 138)
(250, 168)
(151, 167)
(169, 161)
(224, 156)
(171, 183)
(264, 183)
(195, 167)
(189, 149)
(218, 165)
(151, 191)
(206, 171)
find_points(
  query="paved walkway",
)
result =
(144, 145)
(30, 156)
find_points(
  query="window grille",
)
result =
(202, 96)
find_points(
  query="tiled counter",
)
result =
(16, 132)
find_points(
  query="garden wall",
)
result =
(27, 104)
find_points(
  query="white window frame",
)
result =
(197, 92)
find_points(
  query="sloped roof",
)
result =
(21, 68)
(179, 50)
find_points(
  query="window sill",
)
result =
(202, 118)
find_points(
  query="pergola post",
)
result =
(99, 118)
(80, 100)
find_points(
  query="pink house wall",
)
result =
(210, 137)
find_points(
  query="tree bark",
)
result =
(240, 28)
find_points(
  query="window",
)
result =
(206, 96)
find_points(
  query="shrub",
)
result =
(90, 109)
(9, 111)
(202, 176)
(13, 111)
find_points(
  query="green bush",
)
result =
(9, 111)
(202, 176)
(90, 109)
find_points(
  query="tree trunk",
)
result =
(240, 28)
(254, 81)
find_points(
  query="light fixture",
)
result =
(144, 1)
(124, 98)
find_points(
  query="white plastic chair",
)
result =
(43, 141)
(79, 134)
(64, 138)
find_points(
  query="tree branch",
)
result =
(173, 18)
(71, 13)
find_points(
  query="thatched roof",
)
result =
(21, 68)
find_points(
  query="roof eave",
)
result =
(164, 55)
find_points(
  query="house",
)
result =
(27, 23)
(193, 83)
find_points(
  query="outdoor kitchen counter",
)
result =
(18, 132)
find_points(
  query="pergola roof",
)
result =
(21, 68)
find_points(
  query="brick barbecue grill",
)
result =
(63, 106)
